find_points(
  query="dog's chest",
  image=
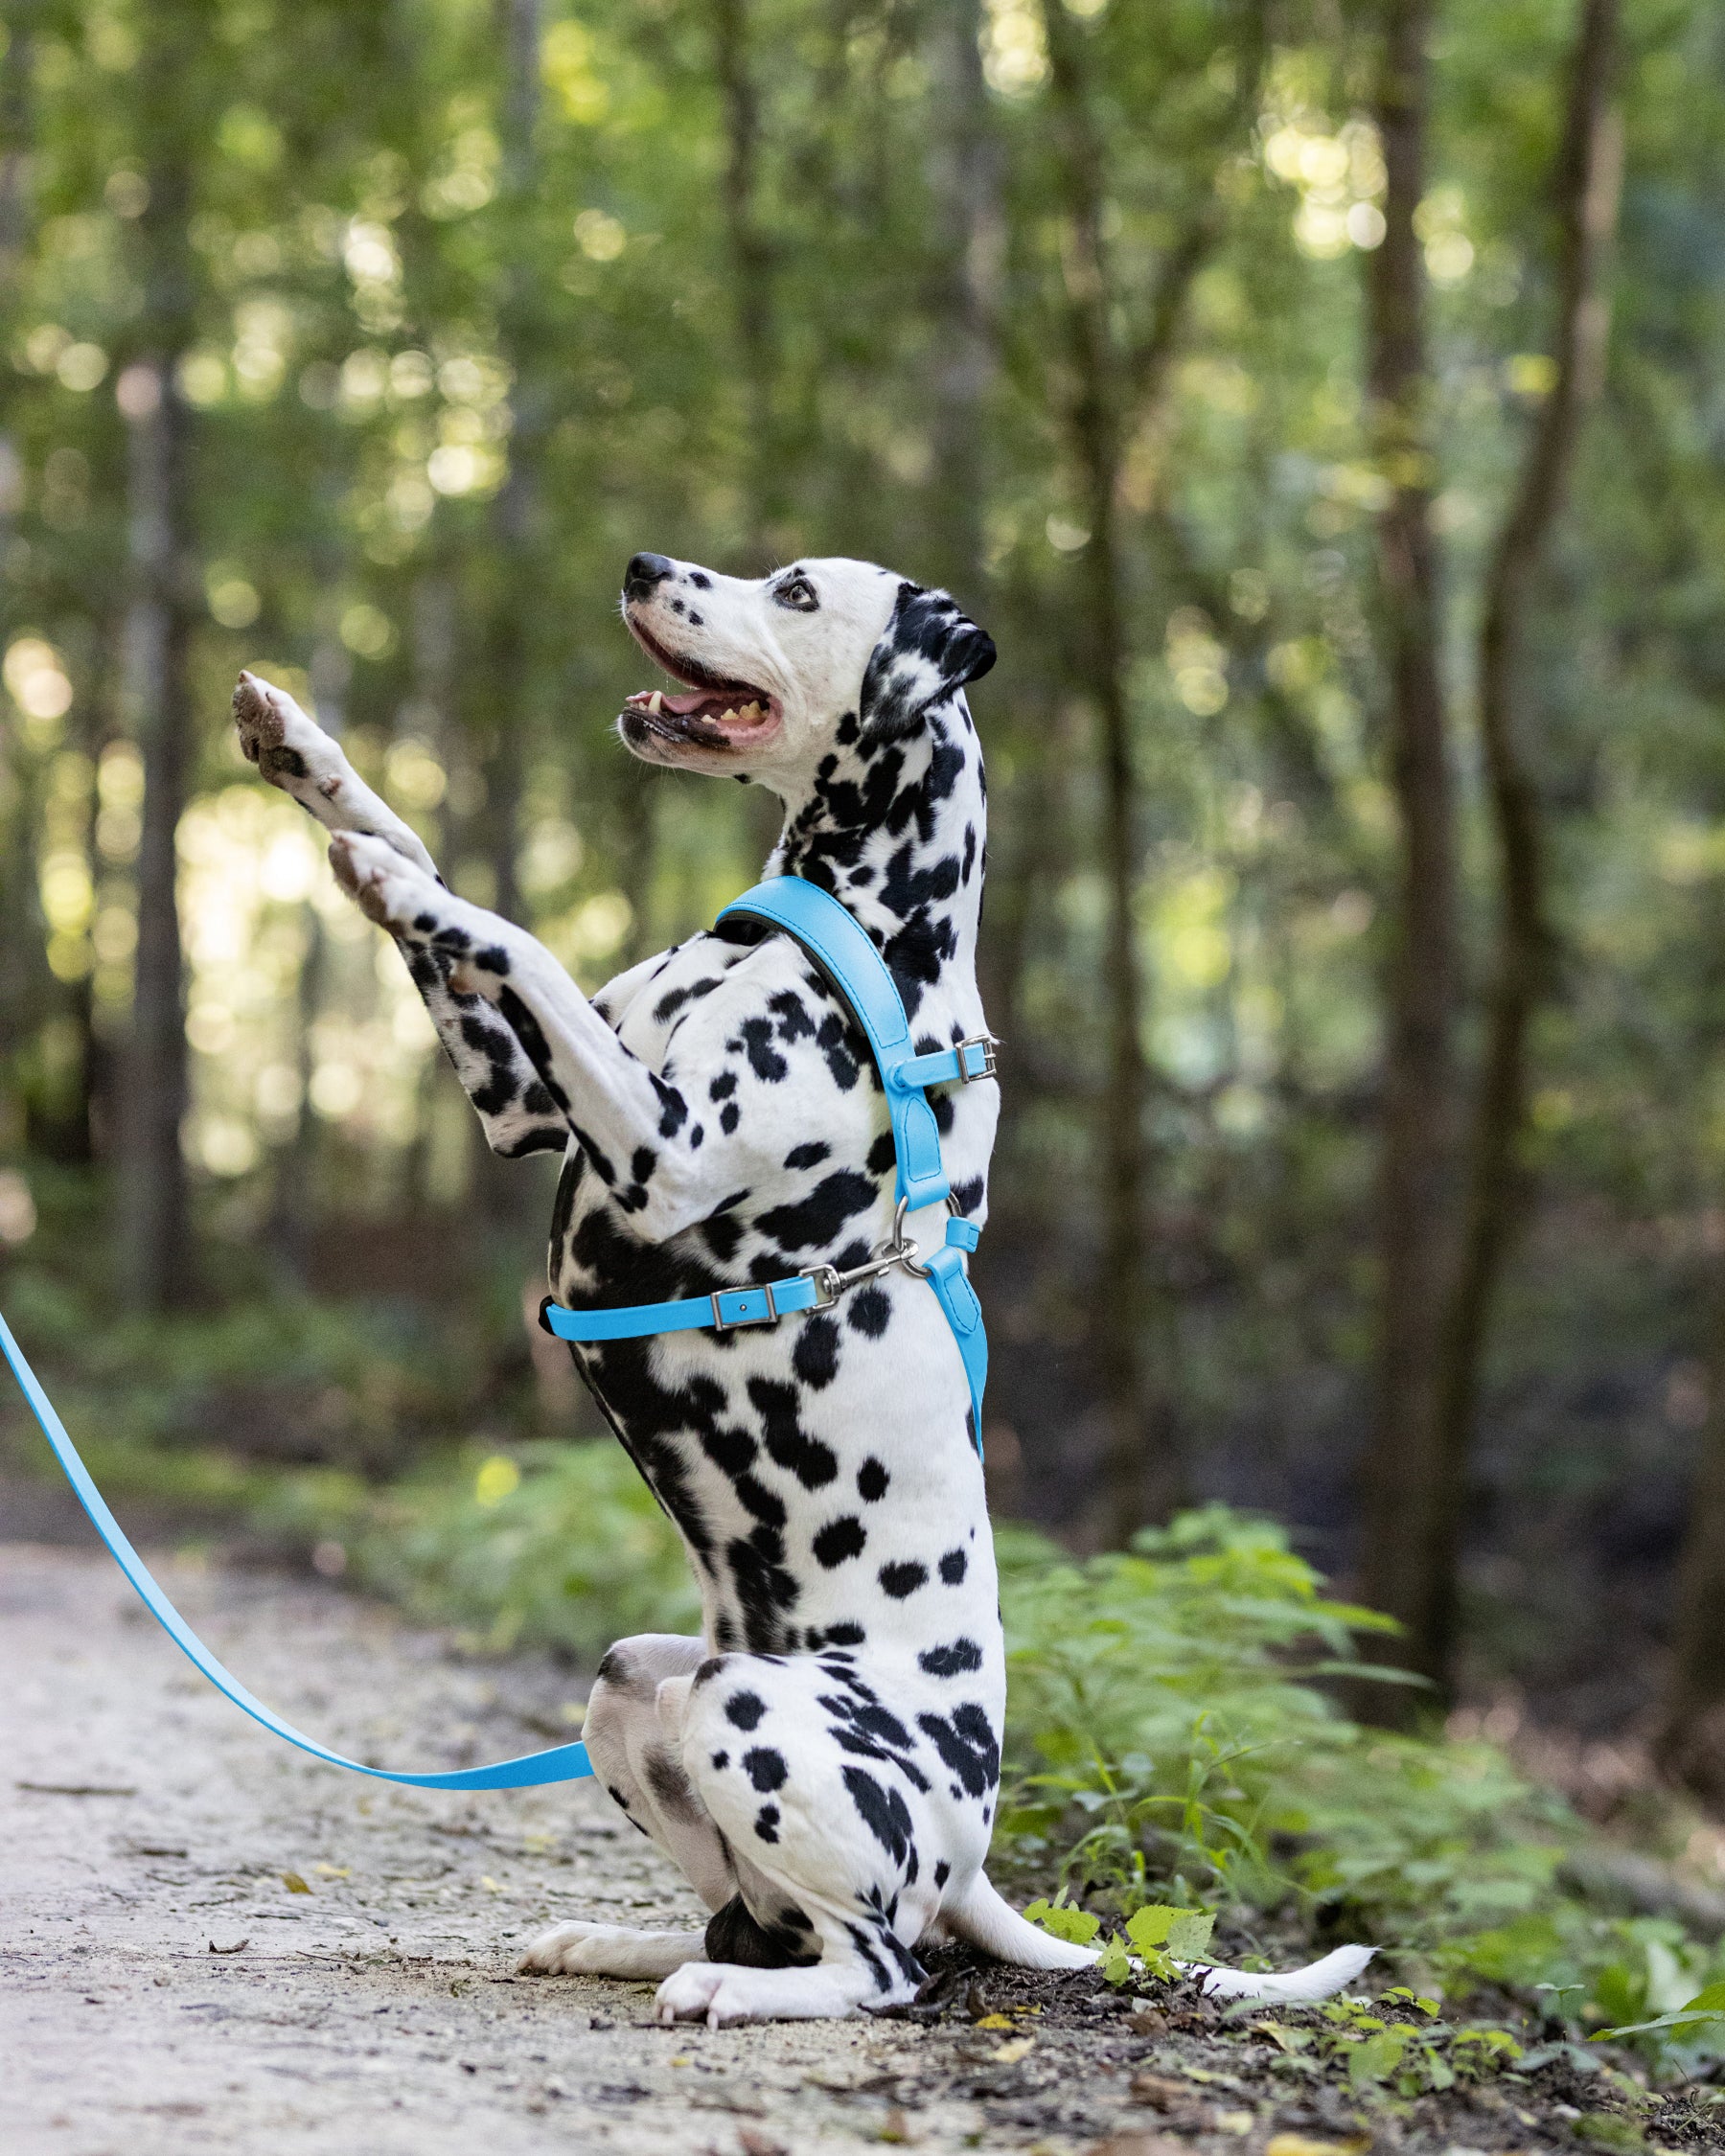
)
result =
(807, 1461)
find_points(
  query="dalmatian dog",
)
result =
(823, 1761)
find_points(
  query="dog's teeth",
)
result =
(751, 714)
(656, 702)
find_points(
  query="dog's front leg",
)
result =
(294, 752)
(635, 1129)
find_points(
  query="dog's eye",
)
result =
(798, 593)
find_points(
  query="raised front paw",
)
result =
(385, 887)
(290, 750)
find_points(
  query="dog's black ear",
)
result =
(930, 648)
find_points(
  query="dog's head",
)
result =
(774, 668)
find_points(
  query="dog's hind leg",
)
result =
(637, 1764)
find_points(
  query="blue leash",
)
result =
(848, 958)
(568, 1762)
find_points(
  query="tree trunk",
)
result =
(506, 652)
(1586, 189)
(1691, 1745)
(1141, 1480)
(157, 1256)
(1405, 1494)
(1142, 1473)
(752, 270)
(964, 181)
(21, 962)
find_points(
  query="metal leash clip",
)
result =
(898, 1248)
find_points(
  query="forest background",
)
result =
(1321, 405)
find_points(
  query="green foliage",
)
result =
(558, 1545)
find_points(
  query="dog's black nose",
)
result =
(643, 572)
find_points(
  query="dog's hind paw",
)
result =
(607, 1950)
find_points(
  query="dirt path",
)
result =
(208, 1939)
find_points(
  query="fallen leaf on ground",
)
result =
(1009, 2054)
(334, 1871)
(754, 2143)
(994, 2021)
(1163, 2092)
(294, 1883)
(1302, 2145)
(238, 1946)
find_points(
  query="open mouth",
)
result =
(713, 713)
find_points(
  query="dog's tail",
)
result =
(982, 1920)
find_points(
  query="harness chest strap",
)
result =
(837, 942)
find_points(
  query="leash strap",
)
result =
(565, 1762)
(835, 940)
(839, 946)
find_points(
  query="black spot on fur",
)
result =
(809, 1156)
(839, 1541)
(766, 1823)
(902, 1578)
(815, 1356)
(952, 1567)
(881, 1810)
(744, 1709)
(817, 1221)
(870, 1312)
(765, 1767)
(671, 1785)
(954, 1660)
(872, 1479)
(788, 1444)
(966, 1745)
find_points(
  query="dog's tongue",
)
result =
(696, 699)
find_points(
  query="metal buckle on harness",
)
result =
(724, 1324)
(988, 1044)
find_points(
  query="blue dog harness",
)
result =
(855, 969)
(831, 935)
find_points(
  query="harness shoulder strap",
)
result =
(842, 950)
(839, 946)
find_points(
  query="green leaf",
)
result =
(1077, 1926)
(1115, 1964)
(1189, 1934)
(1151, 1926)
(1377, 2058)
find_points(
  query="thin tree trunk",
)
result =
(1588, 182)
(1140, 1480)
(1690, 1747)
(1143, 1474)
(964, 181)
(157, 1258)
(1405, 1494)
(751, 267)
(21, 961)
(506, 651)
